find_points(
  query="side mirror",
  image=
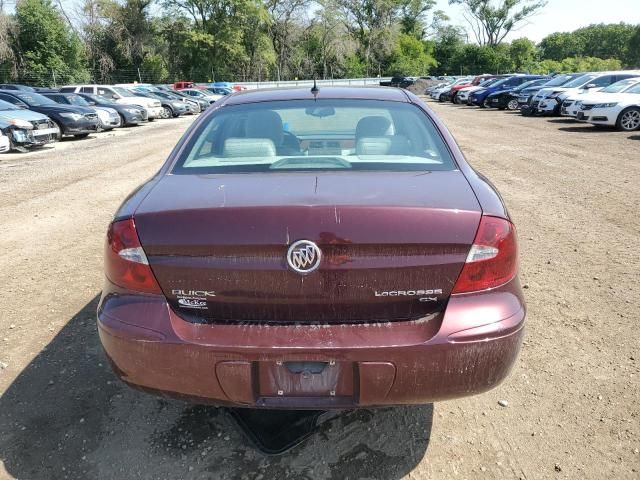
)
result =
(591, 85)
(91, 103)
(116, 96)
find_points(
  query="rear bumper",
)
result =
(468, 350)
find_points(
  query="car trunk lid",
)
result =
(392, 244)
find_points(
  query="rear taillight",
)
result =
(493, 258)
(126, 264)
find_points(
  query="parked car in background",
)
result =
(15, 86)
(429, 90)
(573, 103)
(620, 110)
(399, 81)
(130, 115)
(439, 94)
(108, 117)
(464, 93)
(548, 101)
(231, 86)
(526, 95)
(508, 99)
(26, 128)
(197, 104)
(183, 84)
(120, 95)
(447, 96)
(481, 97)
(201, 94)
(219, 90)
(193, 105)
(73, 121)
(477, 80)
(171, 107)
(336, 292)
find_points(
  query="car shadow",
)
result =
(634, 137)
(66, 416)
(585, 129)
(562, 121)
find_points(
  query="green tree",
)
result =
(47, 45)
(492, 21)
(605, 41)
(448, 50)
(411, 57)
(523, 54)
(558, 46)
(413, 16)
(633, 49)
(284, 30)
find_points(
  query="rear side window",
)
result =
(68, 89)
(87, 89)
(316, 135)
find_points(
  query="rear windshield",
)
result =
(316, 135)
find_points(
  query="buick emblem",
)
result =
(304, 256)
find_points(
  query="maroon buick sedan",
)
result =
(306, 248)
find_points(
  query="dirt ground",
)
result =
(573, 399)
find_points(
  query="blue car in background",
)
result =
(481, 97)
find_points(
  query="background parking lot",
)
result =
(572, 407)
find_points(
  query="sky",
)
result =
(563, 16)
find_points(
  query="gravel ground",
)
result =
(570, 408)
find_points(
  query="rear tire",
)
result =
(81, 135)
(485, 103)
(629, 120)
(166, 112)
(512, 105)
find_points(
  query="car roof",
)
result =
(304, 93)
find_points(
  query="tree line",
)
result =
(109, 41)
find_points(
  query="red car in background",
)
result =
(453, 93)
(305, 248)
(183, 84)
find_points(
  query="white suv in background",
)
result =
(548, 101)
(119, 95)
(572, 104)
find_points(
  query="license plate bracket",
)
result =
(305, 378)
